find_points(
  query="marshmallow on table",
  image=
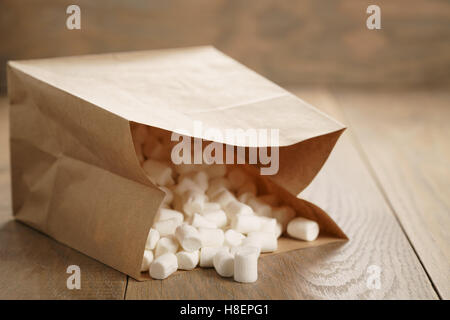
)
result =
(188, 237)
(235, 208)
(188, 260)
(237, 178)
(147, 260)
(158, 172)
(163, 266)
(270, 199)
(211, 237)
(246, 223)
(152, 239)
(207, 256)
(199, 221)
(303, 229)
(246, 264)
(283, 215)
(223, 262)
(233, 238)
(224, 197)
(260, 208)
(267, 241)
(166, 245)
(249, 187)
(193, 202)
(166, 227)
(218, 218)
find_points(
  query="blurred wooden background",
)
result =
(292, 42)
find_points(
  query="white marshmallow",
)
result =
(188, 237)
(283, 215)
(147, 260)
(200, 178)
(187, 184)
(211, 237)
(233, 238)
(246, 264)
(248, 187)
(163, 266)
(303, 229)
(152, 239)
(207, 256)
(168, 198)
(166, 227)
(237, 178)
(267, 241)
(235, 208)
(245, 223)
(188, 260)
(216, 185)
(210, 207)
(166, 214)
(270, 199)
(224, 197)
(216, 170)
(218, 218)
(271, 225)
(260, 208)
(166, 245)
(223, 262)
(246, 243)
(199, 221)
(158, 172)
(193, 202)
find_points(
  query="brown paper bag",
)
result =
(75, 173)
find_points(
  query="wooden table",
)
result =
(387, 184)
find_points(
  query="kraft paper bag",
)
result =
(75, 173)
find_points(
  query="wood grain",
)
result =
(33, 266)
(290, 42)
(405, 137)
(346, 190)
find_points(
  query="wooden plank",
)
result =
(345, 189)
(33, 266)
(291, 42)
(405, 136)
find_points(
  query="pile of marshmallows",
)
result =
(211, 216)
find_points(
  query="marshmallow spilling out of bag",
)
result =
(212, 216)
